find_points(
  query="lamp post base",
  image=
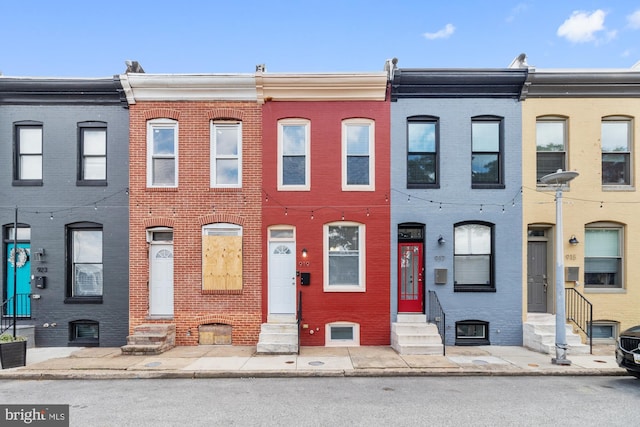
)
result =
(561, 356)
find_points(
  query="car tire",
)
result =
(634, 373)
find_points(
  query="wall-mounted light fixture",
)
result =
(441, 240)
(573, 240)
(304, 252)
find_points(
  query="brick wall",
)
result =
(190, 206)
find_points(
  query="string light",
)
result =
(480, 208)
(311, 214)
(367, 211)
(286, 212)
(51, 216)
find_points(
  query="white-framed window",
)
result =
(85, 260)
(93, 153)
(358, 155)
(473, 257)
(342, 334)
(616, 144)
(344, 257)
(226, 154)
(282, 233)
(29, 153)
(294, 155)
(221, 257)
(603, 256)
(551, 146)
(162, 153)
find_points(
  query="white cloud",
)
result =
(581, 26)
(519, 9)
(441, 34)
(634, 20)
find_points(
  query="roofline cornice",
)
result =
(584, 83)
(322, 86)
(188, 87)
(57, 91)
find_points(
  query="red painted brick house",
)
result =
(325, 207)
(195, 205)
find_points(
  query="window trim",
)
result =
(500, 153)
(329, 342)
(468, 341)
(82, 127)
(371, 155)
(620, 228)
(629, 153)
(565, 122)
(85, 342)
(436, 154)
(615, 329)
(235, 231)
(164, 124)
(213, 157)
(70, 297)
(362, 285)
(307, 162)
(17, 126)
(491, 287)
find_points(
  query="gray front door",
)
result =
(537, 277)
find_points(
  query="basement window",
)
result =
(342, 334)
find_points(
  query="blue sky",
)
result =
(90, 38)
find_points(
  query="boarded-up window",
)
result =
(222, 257)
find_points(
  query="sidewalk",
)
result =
(235, 361)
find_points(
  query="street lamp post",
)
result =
(558, 179)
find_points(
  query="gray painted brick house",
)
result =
(456, 213)
(64, 181)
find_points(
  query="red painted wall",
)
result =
(328, 203)
(190, 206)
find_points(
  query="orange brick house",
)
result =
(325, 210)
(195, 205)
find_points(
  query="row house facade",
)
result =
(584, 121)
(325, 208)
(195, 205)
(64, 210)
(455, 202)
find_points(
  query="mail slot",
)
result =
(305, 279)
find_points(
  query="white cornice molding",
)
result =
(188, 87)
(321, 86)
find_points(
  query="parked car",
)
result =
(628, 351)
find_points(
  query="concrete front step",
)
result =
(278, 338)
(141, 350)
(150, 339)
(539, 334)
(412, 335)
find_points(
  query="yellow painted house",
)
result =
(586, 121)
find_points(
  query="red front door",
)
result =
(410, 286)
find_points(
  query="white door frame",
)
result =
(282, 279)
(160, 282)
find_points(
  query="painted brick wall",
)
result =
(190, 206)
(326, 202)
(60, 199)
(502, 309)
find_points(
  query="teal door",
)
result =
(21, 264)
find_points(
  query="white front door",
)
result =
(282, 278)
(161, 280)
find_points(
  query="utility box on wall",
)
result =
(40, 282)
(572, 274)
(440, 276)
(305, 279)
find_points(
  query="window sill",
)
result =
(473, 288)
(488, 186)
(596, 290)
(422, 186)
(221, 291)
(27, 183)
(83, 300)
(96, 183)
(162, 189)
(618, 187)
(337, 288)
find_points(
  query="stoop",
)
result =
(150, 339)
(411, 334)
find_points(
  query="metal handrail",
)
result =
(21, 304)
(580, 312)
(435, 314)
(299, 320)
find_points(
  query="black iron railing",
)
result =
(299, 318)
(20, 304)
(436, 315)
(580, 313)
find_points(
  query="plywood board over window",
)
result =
(222, 260)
